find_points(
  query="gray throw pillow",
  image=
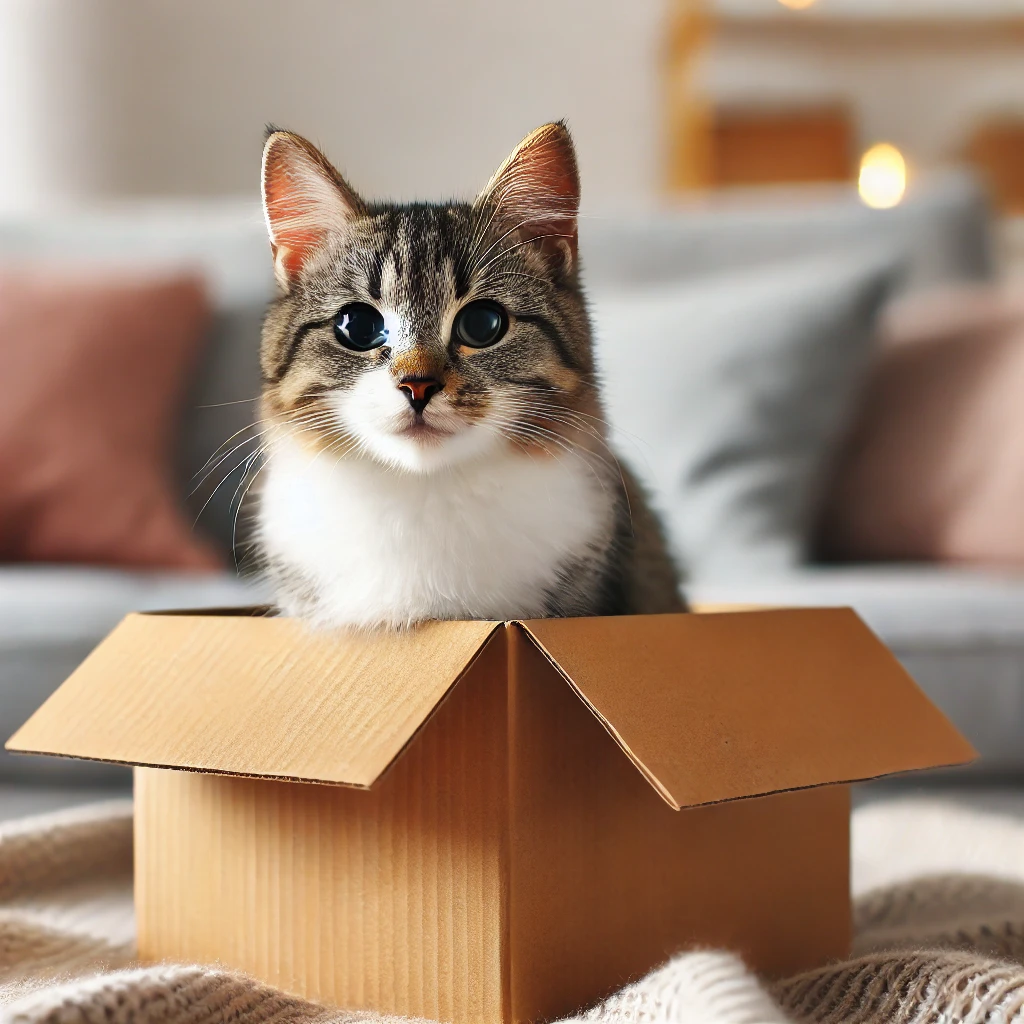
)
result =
(727, 396)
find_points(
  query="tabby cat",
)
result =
(435, 446)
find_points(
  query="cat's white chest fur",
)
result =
(482, 540)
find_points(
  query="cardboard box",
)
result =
(478, 821)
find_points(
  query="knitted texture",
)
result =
(939, 915)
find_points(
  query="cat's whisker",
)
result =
(260, 455)
(241, 500)
(514, 273)
(219, 463)
(549, 412)
(584, 456)
(209, 470)
(220, 483)
(482, 233)
(611, 464)
(217, 459)
(586, 429)
(639, 443)
(528, 441)
(206, 465)
(544, 408)
(517, 245)
(524, 426)
(222, 405)
(540, 217)
(524, 198)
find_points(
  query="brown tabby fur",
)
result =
(516, 245)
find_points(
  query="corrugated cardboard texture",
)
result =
(253, 696)
(715, 707)
(607, 881)
(391, 899)
(709, 707)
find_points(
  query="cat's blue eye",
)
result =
(479, 324)
(360, 327)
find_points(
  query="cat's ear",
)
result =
(305, 202)
(535, 194)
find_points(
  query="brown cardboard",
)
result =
(502, 841)
(609, 881)
(390, 899)
(252, 696)
(762, 701)
(716, 707)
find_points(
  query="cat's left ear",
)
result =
(305, 202)
(535, 194)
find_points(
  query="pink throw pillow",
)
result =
(934, 469)
(93, 375)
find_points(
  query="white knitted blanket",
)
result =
(940, 936)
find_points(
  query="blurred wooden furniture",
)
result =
(757, 93)
(752, 146)
(716, 145)
(997, 149)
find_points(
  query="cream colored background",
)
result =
(126, 97)
(102, 98)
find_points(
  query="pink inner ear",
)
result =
(540, 188)
(294, 247)
(291, 212)
(554, 178)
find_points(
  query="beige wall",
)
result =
(410, 97)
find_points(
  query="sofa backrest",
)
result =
(943, 228)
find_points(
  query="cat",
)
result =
(434, 439)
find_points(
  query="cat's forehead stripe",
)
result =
(375, 275)
(423, 285)
(389, 275)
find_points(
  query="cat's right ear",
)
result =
(305, 201)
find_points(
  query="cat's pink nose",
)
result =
(419, 390)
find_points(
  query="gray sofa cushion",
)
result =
(727, 396)
(51, 617)
(959, 632)
(943, 227)
(224, 240)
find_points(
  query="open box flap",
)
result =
(709, 707)
(722, 706)
(237, 694)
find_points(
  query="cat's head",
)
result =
(427, 334)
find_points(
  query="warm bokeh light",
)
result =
(797, 5)
(883, 176)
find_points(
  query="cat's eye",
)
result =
(479, 324)
(360, 327)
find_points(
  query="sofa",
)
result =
(960, 632)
